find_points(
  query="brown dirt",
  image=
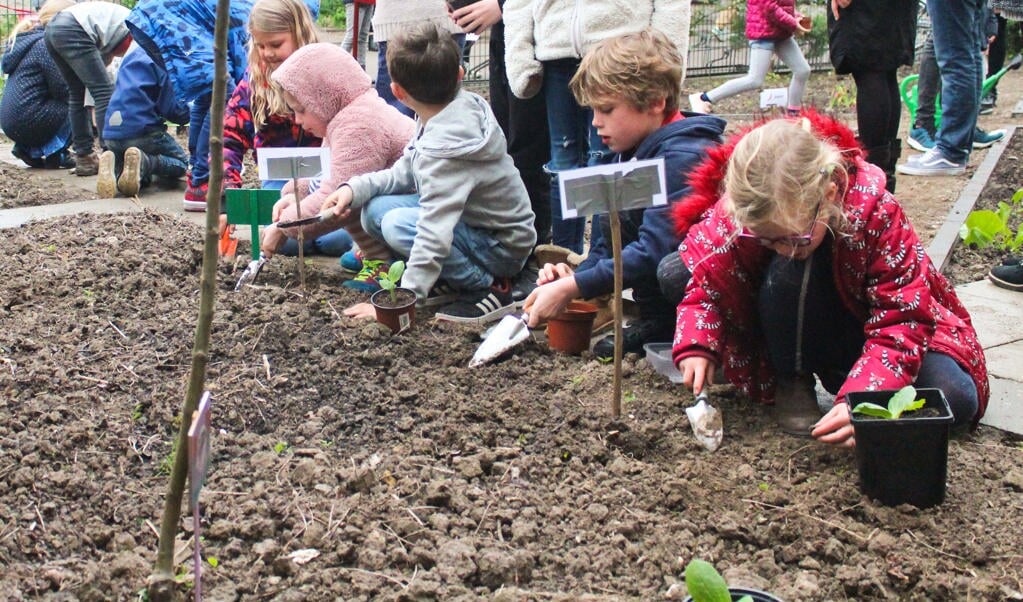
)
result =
(412, 477)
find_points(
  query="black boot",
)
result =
(893, 159)
(881, 156)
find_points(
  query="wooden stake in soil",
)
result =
(162, 586)
(616, 306)
(298, 215)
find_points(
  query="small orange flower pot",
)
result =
(570, 331)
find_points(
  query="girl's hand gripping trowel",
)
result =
(509, 332)
(706, 422)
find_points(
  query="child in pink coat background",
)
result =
(333, 98)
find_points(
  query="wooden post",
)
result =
(616, 305)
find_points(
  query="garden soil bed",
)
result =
(410, 476)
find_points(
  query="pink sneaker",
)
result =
(195, 197)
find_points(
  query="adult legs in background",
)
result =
(878, 111)
(954, 27)
(928, 84)
(82, 67)
(524, 123)
(199, 139)
(365, 17)
(574, 144)
(995, 62)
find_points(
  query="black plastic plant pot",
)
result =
(903, 461)
(738, 592)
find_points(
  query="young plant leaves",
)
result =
(904, 400)
(704, 583)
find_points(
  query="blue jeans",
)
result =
(199, 139)
(954, 25)
(81, 65)
(331, 244)
(574, 144)
(164, 157)
(383, 84)
(476, 257)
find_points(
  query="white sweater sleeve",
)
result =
(672, 17)
(525, 73)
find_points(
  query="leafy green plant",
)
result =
(389, 281)
(904, 400)
(984, 228)
(705, 583)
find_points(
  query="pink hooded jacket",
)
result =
(364, 133)
(770, 19)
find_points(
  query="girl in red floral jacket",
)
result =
(796, 262)
(770, 28)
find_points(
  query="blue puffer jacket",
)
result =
(143, 99)
(33, 108)
(178, 35)
(683, 144)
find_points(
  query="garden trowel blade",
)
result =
(706, 422)
(250, 273)
(509, 332)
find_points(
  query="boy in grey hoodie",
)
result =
(453, 204)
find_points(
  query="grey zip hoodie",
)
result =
(459, 165)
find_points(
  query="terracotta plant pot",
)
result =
(570, 331)
(398, 315)
(903, 461)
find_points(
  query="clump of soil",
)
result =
(402, 473)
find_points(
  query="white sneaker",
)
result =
(106, 185)
(699, 105)
(931, 163)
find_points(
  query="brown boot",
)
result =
(795, 404)
(106, 184)
(87, 165)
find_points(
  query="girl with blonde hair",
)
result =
(796, 264)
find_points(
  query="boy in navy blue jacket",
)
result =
(142, 103)
(633, 83)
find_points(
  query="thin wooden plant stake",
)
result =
(162, 586)
(616, 306)
(298, 215)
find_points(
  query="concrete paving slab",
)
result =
(995, 313)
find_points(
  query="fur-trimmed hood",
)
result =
(324, 78)
(706, 179)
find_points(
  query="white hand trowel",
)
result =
(509, 332)
(706, 422)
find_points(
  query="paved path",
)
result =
(996, 312)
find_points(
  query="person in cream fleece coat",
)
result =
(544, 43)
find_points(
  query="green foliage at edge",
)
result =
(984, 228)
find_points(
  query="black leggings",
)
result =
(878, 106)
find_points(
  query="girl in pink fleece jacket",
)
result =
(332, 98)
(770, 25)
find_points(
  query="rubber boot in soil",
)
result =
(795, 404)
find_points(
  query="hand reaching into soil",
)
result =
(361, 310)
(835, 427)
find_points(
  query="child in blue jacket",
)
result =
(633, 83)
(136, 129)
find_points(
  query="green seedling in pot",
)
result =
(705, 583)
(389, 282)
(903, 401)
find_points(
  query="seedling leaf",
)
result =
(904, 400)
(872, 409)
(704, 583)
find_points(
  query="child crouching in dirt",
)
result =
(633, 83)
(796, 262)
(332, 98)
(136, 130)
(454, 204)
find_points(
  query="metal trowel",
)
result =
(706, 422)
(508, 333)
(305, 221)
